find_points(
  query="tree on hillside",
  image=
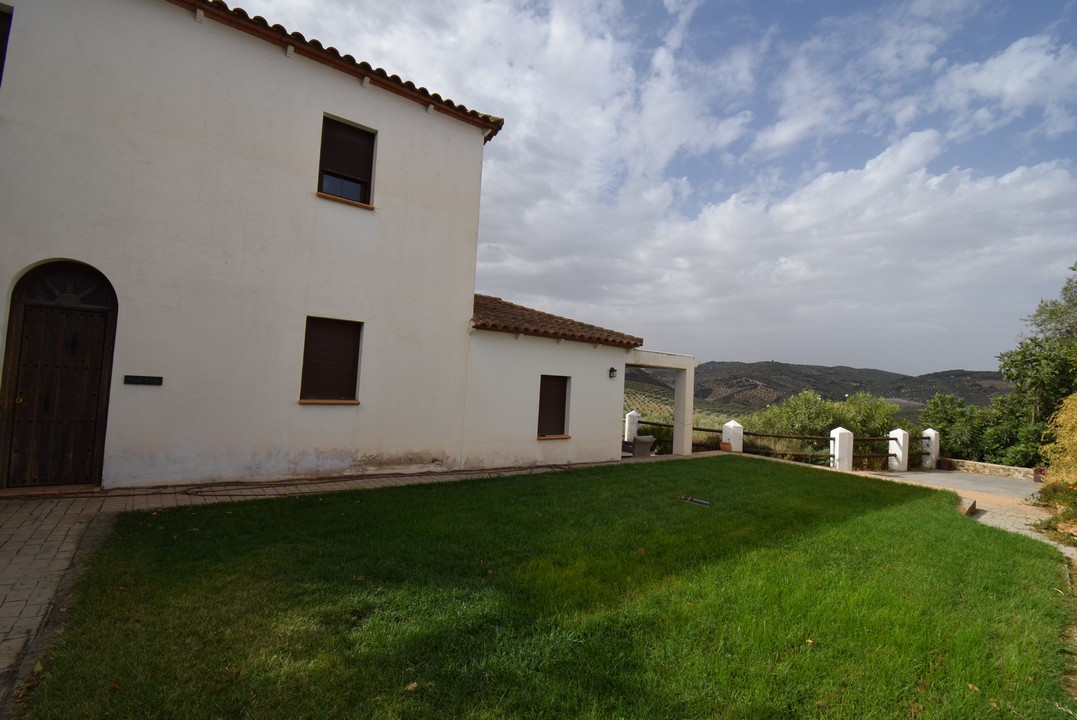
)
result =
(1058, 318)
(1043, 371)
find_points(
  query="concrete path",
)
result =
(1000, 501)
(45, 538)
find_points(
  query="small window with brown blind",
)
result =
(347, 162)
(5, 30)
(331, 361)
(553, 406)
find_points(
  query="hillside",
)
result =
(737, 386)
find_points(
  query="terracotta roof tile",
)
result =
(493, 313)
(258, 26)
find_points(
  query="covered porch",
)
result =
(684, 367)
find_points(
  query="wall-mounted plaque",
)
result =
(143, 380)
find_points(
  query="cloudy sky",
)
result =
(832, 182)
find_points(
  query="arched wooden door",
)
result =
(57, 371)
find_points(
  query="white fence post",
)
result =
(841, 440)
(899, 462)
(931, 439)
(631, 425)
(733, 433)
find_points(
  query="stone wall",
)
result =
(982, 468)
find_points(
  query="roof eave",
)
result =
(259, 27)
(562, 336)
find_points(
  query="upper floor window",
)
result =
(347, 162)
(5, 30)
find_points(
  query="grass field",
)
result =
(595, 593)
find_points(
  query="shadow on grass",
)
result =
(508, 597)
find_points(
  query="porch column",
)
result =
(683, 405)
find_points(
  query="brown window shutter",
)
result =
(348, 152)
(553, 397)
(330, 359)
(5, 30)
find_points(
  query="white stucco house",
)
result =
(230, 253)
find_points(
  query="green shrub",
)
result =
(961, 426)
(865, 415)
(809, 414)
(1062, 453)
(1060, 490)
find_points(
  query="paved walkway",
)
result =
(43, 539)
(1000, 501)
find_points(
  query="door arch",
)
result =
(56, 376)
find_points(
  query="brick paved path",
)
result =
(42, 536)
(38, 539)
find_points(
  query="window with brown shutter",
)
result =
(553, 405)
(347, 162)
(5, 30)
(331, 360)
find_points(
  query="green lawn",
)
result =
(593, 593)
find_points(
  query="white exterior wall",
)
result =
(501, 426)
(181, 160)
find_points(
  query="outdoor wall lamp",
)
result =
(613, 372)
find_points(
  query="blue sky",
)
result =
(884, 185)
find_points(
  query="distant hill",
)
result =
(737, 386)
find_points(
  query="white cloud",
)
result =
(809, 101)
(841, 236)
(843, 194)
(905, 46)
(1033, 72)
(857, 253)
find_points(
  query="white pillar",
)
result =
(841, 441)
(682, 411)
(631, 425)
(733, 433)
(900, 445)
(931, 440)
